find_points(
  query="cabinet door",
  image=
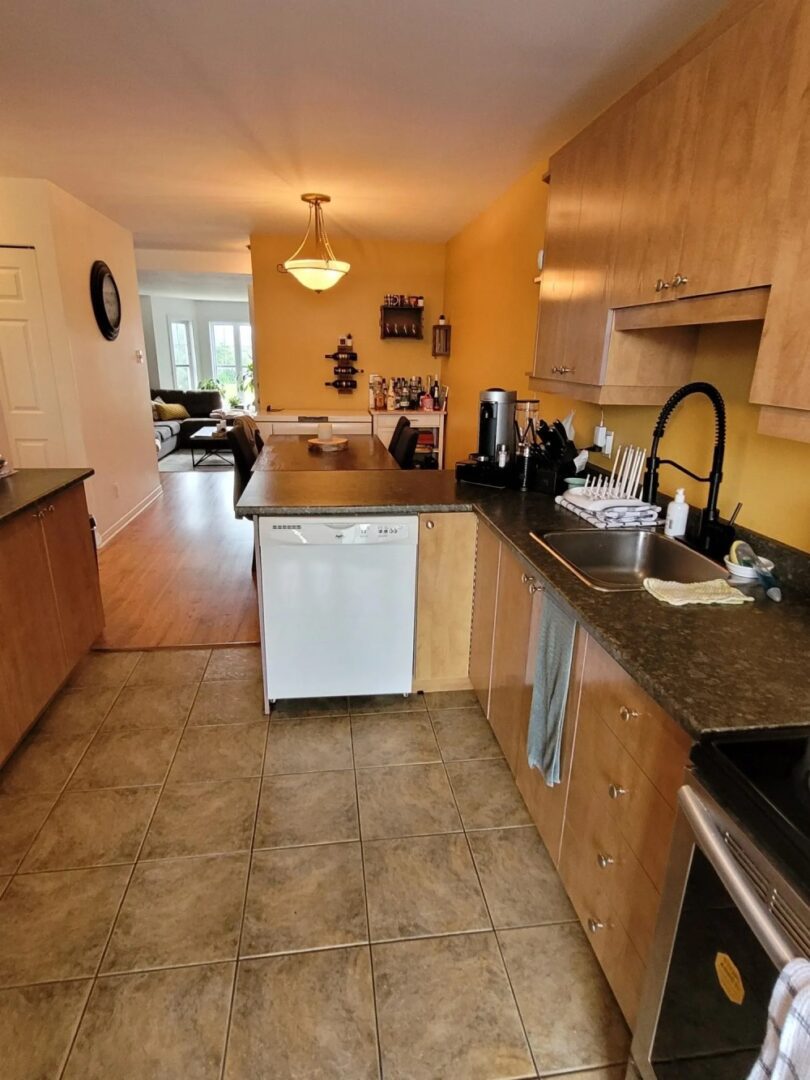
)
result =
(444, 597)
(782, 372)
(559, 260)
(32, 660)
(739, 184)
(547, 805)
(74, 570)
(509, 700)
(657, 183)
(603, 155)
(487, 563)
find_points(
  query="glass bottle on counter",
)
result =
(390, 400)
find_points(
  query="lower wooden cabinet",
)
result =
(444, 600)
(50, 606)
(487, 565)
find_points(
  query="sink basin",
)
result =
(618, 560)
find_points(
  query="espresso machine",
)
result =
(496, 422)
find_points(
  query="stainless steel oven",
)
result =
(729, 921)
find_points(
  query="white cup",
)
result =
(324, 432)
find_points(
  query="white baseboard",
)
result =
(105, 537)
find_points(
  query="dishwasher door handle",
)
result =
(776, 944)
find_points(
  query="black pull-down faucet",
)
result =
(713, 538)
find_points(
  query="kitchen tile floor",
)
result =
(352, 890)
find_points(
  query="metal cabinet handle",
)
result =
(615, 791)
(626, 713)
(604, 861)
(527, 579)
(678, 280)
(660, 285)
(595, 925)
(535, 587)
(562, 370)
(50, 508)
(430, 524)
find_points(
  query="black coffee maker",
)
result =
(496, 423)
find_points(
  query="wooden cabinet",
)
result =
(444, 598)
(518, 606)
(487, 562)
(50, 606)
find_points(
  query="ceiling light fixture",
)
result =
(320, 270)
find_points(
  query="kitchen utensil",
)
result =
(743, 554)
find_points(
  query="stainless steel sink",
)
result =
(618, 560)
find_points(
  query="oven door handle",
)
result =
(778, 947)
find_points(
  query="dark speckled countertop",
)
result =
(714, 669)
(27, 486)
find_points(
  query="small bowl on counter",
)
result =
(745, 573)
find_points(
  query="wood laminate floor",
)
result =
(179, 574)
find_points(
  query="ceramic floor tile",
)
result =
(126, 757)
(219, 753)
(238, 662)
(405, 800)
(445, 1009)
(169, 667)
(77, 711)
(382, 703)
(156, 1025)
(179, 911)
(571, 1017)
(151, 707)
(486, 794)
(299, 708)
(520, 882)
(308, 808)
(228, 701)
(422, 885)
(54, 926)
(451, 699)
(37, 1025)
(396, 739)
(93, 828)
(203, 818)
(312, 745)
(463, 734)
(305, 898)
(309, 1015)
(21, 817)
(42, 763)
(104, 669)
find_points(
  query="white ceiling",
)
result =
(194, 124)
(194, 286)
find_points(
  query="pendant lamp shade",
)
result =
(316, 268)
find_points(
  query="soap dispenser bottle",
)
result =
(677, 515)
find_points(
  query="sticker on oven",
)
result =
(728, 975)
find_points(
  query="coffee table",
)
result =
(211, 444)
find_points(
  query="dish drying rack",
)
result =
(614, 502)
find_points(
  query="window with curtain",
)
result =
(232, 355)
(184, 365)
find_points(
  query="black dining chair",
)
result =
(244, 453)
(406, 448)
(402, 426)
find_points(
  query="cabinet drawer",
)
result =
(606, 779)
(617, 956)
(655, 742)
(618, 877)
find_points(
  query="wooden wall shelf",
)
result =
(401, 323)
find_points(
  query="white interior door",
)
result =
(29, 401)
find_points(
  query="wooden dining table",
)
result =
(292, 453)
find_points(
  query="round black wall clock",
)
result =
(106, 300)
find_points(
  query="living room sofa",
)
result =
(175, 434)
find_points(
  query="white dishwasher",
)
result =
(338, 600)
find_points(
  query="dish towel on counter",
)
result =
(552, 669)
(610, 513)
(785, 1053)
(696, 592)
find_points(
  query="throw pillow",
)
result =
(172, 412)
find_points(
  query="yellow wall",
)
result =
(295, 327)
(492, 305)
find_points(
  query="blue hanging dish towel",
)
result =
(552, 670)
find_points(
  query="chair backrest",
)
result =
(244, 455)
(406, 448)
(402, 424)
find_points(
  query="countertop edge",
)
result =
(68, 478)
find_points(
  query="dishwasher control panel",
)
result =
(334, 532)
